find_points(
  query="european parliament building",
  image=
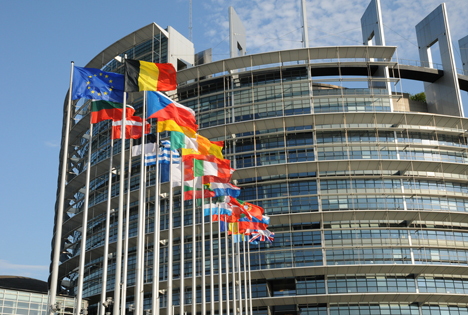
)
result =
(366, 188)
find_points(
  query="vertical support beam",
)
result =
(443, 96)
(305, 28)
(237, 38)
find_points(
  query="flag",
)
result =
(197, 145)
(149, 76)
(104, 110)
(234, 231)
(249, 209)
(247, 226)
(98, 85)
(224, 209)
(224, 189)
(190, 190)
(164, 161)
(175, 116)
(211, 167)
(133, 128)
(151, 150)
(261, 235)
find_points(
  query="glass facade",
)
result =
(365, 201)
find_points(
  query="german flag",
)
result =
(149, 76)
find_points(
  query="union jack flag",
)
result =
(261, 235)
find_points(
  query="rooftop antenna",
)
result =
(190, 22)
(305, 33)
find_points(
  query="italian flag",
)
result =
(212, 167)
(104, 110)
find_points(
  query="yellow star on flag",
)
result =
(105, 93)
(110, 81)
(92, 92)
(100, 74)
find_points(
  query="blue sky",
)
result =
(39, 39)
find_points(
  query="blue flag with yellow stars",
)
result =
(97, 85)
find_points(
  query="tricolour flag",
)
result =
(211, 167)
(224, 209)
(171, 115)
(224, 189)
(133, 128)
(149, 76)
(197, 145)
(104, 110)
(98, 85)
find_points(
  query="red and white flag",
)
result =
(133, 127)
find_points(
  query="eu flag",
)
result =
(98, 85)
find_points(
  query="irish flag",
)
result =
(197, 145)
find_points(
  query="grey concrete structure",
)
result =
(443, 96)
(463, 45)
(237, 37)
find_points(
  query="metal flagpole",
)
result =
(140, 251)
(156, 235)
(118, 252)
(106, 238)
(250, 279)
(234, 306)
(239, 271)
(59, 221)
(226, 245)
(220, 267)
(203, 282)
(211, 259)
(194, 254)
(245, 278)
(182, 236)
(123, 302)
(84, 226)
(171, 241)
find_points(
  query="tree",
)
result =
(420, 97)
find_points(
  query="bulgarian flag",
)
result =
(190, 190)
(104, 110)
(197, 145)
(133, 128)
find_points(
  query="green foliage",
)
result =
(420, 97)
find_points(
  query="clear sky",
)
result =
(39, 39)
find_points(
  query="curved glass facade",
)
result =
(368, 203)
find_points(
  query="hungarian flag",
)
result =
(196, 146)
(149, 76)
(171, 115)
(133, 128)
(104, 110)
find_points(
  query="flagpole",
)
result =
(106, 238)
(59, 221)
(211, 259)
(194, 254)
(118, 252)
(123, 302)
(250, 279)
(239, 271)
(245, 278)
(226, 262)
(182, 237)
(233, 254)
(203, 281)
(140, 251)
(156, 235)
(169, 310)
(220, 266)
(84, 225)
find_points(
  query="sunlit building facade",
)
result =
(366, 188)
